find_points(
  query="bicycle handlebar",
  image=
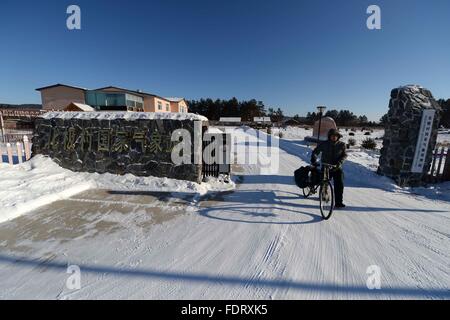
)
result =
(329, 165)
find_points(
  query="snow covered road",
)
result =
(262, 241)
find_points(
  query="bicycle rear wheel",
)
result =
(326, 197)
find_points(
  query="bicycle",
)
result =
(326, 191)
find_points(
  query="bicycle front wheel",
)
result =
(326, 197)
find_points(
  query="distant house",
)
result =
(178, 105)
(115, 98)
(59, 96)
(262, 120)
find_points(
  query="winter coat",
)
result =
(332, 153)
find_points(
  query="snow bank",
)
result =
(213, 130)
(35, 183)
(41, 181)
(440, 191)
(112, 115)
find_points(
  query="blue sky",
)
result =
(290, 54)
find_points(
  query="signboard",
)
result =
(261, 119)
(229, 119)
(426, 128)
(17, 113)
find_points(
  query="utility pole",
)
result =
(320, 109)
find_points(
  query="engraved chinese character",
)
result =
(120, 143)
(86, 138)
(46, 132)
(139, 139)
(70, 139)
(155, 142)
(168, 145)
(55, 135)
(104, 139)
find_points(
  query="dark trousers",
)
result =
(338, 179)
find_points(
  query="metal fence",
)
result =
(440, 165)
(15, 124)
(13, 136)
(14, 153)
(210, 167)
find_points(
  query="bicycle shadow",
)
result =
(247, 206)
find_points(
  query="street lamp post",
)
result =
(320, 109)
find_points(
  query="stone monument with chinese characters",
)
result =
(121, 142)
(410, 135)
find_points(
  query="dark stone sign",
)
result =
(141, 147)
(410, 135)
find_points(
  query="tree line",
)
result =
(248, 109)
(343, 118)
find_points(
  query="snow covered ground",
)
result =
(295, 133)
(444, 137)
(261, 241)
(41, 181)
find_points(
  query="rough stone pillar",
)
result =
(410, 135)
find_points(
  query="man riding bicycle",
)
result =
(333, 152)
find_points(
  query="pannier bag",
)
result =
(306, 176)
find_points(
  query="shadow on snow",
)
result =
(198, 278)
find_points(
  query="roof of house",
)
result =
(82, 107)
(126, 90)
(174, 99)
(135, 92)
(60, 85)
(142, 93)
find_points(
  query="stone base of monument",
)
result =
(410, 135)
(119, 142)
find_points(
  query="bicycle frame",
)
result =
(325, 176)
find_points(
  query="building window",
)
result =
(159, 106)
(131, 103)
(167, 107)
